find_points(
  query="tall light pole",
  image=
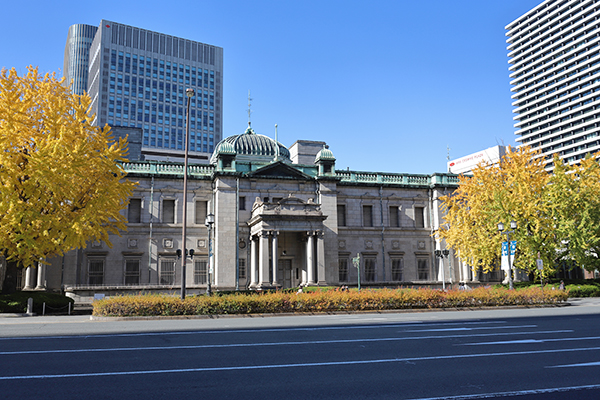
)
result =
(513, 226)
(210, 220)
(189, 93)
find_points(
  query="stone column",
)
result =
(322, 281)
(274, 258)
(253, 266)
(263, 260)
(41, 277)
(28, 278)
(310, 264)
(465, 272)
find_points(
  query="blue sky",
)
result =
(387, 84)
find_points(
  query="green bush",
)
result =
(17, 302)
(583, 290)
(321, 301)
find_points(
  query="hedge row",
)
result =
(321, 301)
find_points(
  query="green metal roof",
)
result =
(252, 145)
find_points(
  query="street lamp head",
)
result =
(438, 253)
(445, 252)
(513, 224)
(210, 219)
(189, 92)
(500, 226)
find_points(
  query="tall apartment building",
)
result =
(555, 72)
(138, 78)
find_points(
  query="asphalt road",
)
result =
(544, 353)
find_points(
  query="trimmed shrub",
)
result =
(322, 301)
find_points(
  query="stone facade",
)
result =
(277, 224)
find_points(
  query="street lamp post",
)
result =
(210, 220)
(513, 226)
(189, 93)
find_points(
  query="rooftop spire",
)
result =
(249, 109)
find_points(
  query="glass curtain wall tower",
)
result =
(77, 56)
(137, 78)
(555, 73)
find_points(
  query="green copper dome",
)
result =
(324, 155)
(251, 146)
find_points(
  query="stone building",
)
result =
(282, 217)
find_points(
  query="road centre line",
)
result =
(300, 365)
(199, 332)
(472, 329)
(309, 342)
(513, 393)
(590, 364)
(528, 341)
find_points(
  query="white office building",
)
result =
(555, 74)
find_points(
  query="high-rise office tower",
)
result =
(77, 56)
(138, 78)
(555, 72)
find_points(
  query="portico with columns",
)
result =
(286, 246)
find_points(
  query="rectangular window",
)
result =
(397, 269)
(200, 268)
(419, 217)
(242, 202)
(343, 269)
(201, 207)
(422, 269)
(132, 272)
(95, 272)
(166, 274)
(134, 211)
(242, 266)
(369, 270)
(394, 220)
(168, 211)
(367, 215)
(341, 214)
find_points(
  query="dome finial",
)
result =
(249, 109)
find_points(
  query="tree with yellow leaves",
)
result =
(558, 214)
(60, 181)
(574, 198)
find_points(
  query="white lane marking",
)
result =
(531, 341)
(590, 364)
(215, 346)
(512, 393)
(505, 342)
(300, 365)
(472, 329)
(200, 332)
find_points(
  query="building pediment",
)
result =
(279, 170)
(290, 213)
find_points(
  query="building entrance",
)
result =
(289, 276)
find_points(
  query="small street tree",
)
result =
(558, 215)
(60, 181)
(574, 196)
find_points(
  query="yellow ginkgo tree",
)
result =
(513, 190)
(61, 183)
(557, 214)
